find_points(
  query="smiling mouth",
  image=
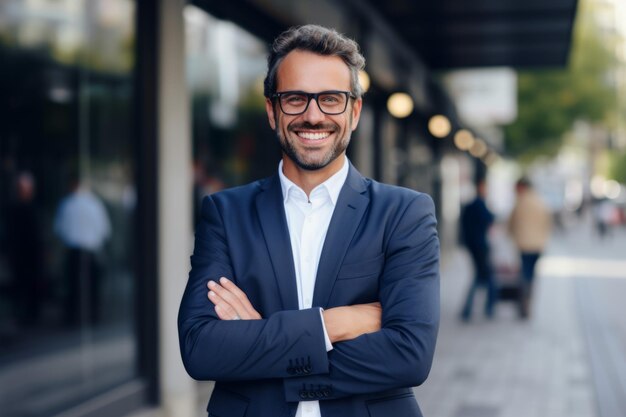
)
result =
(313, 135)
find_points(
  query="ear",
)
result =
(356, 112)
(269, 109)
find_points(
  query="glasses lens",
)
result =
(293, 103)
(332, 103)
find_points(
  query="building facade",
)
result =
(118, 116)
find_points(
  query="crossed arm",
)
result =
(374, 348)
(341, 323)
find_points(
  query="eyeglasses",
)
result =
(331, 102)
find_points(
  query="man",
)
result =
(83, 225)
(323, 286)
(530, 225)
(476, 220)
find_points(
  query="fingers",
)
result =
(230, 302)
(241, 297)
(224, 310)
(226, 303)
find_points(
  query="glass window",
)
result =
(67, 202)
(232, 141)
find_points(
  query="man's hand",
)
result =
(230, 302)
(342, 323)
(350, 322)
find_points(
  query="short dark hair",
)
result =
(319, 40)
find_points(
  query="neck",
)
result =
(307, 180)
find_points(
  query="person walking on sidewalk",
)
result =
(476, 220)
(530, 225)
(314, 292)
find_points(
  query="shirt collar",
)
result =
(332, 185)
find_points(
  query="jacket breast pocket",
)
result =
(358, 282)
(402, 405)
(366, 268)
(227, 404)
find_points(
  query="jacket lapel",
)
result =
(271, 212)
(351, 206)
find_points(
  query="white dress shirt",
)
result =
(308, 219)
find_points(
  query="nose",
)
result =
(313, 114)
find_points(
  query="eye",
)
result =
(330, 99)
(294, 99)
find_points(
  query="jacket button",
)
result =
(303, 395)
(307, 369)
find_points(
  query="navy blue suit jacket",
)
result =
(381, 245)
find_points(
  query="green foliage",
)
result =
(617, 170)
(550, 101)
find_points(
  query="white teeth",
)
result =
(313, 135)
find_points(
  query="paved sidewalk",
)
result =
(507, 367)
(567, 359)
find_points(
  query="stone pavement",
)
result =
(506, 367)
(557, 363)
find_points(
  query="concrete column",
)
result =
(178, 390)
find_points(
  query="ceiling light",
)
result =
(463, 139)
(400, 105)
(364, 80)
(439, 126)
(479, 148)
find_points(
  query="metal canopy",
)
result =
(450, 34)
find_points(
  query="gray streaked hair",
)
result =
(319, 40)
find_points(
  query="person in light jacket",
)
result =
(530, 226)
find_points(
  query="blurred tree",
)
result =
(550, 101)
(617, 167)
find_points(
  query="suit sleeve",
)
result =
(401, 353)
(286, 344)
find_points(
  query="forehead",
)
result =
(311, 72)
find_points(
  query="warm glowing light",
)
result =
(491, 158)
(612, 189)
(439, 126)
(574, 194)
(479, 148)
(597, 186)
(364, 80)
(400, 105)
(463, 139)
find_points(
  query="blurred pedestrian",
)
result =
(82, 223)
(605, 215)
(315, 235)
(530, 225)
(476, 221)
